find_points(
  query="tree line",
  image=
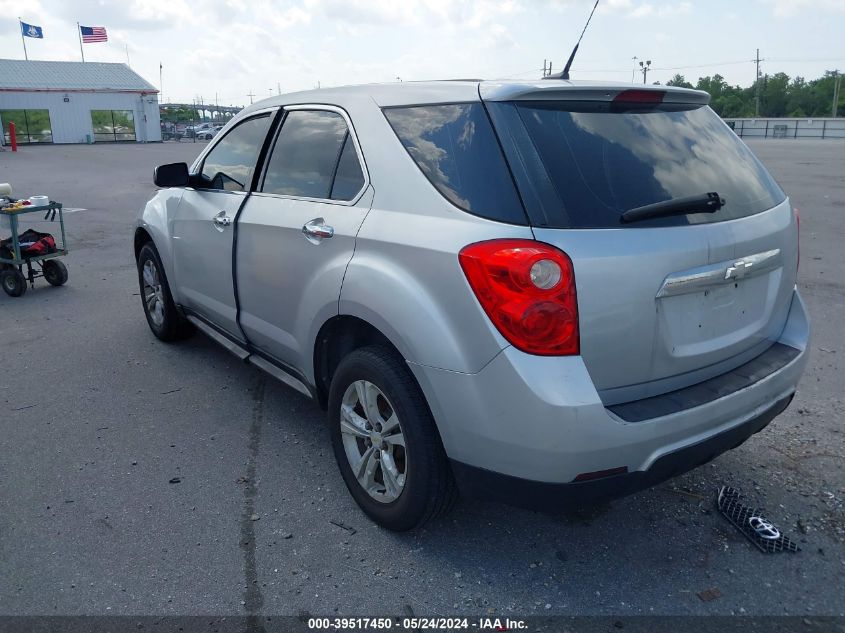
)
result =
(780, 95)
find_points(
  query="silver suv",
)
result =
(543, 293)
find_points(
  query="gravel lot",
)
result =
(98, 418)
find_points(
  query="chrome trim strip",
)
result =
(713, 275)
(245, 355)
(217, 337)
(280, 374)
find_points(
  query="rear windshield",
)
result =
(581, 165)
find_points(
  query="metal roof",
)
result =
(458, 91)
(18, 74)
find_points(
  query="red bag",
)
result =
(32, 244)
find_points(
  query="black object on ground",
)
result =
(752, 523)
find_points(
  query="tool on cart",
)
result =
(22, 250)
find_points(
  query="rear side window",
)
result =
(455, 147)
(349, 179)
(310, 149)
(581, 165)
(231, 163)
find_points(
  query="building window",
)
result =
(31, 126)
(113, 125)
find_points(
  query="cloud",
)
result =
(681, 8)
(663, 11)
(439, 13)
(642, 11)
(788, 8)
(627, 8)
(498, 36)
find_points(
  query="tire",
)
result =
(163, 317)
(55, 272)
(13, 282)
(428, 488)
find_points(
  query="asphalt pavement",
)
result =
(143, 478)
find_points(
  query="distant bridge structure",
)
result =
(204, 110)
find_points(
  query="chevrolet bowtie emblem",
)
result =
(739, 270)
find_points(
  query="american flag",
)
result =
(93, 34)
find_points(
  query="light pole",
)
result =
(645, 69)
(634, 69)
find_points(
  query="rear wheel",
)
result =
(13, 282)
(162, 316)
(55, 272)
(385, 441)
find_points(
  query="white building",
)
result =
(76, 102)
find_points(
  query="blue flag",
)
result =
(30, 30)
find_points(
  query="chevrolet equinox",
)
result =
(543, 293)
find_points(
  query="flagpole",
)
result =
(160, 83)
(23, 40)
(79, 34)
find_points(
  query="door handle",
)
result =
(222, 220)
(317, 230)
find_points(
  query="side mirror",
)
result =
(171, 175)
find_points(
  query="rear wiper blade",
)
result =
(704, 203)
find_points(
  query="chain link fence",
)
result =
(822, 128)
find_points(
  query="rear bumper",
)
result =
(539, 420)
(479, 483)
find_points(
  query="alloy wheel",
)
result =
(373, 441)
(153, 294)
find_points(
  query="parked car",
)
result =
(196, 130)
(545, 293)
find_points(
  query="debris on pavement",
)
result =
(343, 526)
(686, 493)
(752, 523)
(708, 595)
(175, 480)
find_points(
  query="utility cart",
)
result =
(20, 263)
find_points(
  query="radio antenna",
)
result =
(564, 74)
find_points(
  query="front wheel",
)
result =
(162, 316)
(385, 441)
(13, 281)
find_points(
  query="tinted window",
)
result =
(583, 165)
(31, 126)
(455, 147)
(231, 164)
(306, 154)
(113, 125)
(349, 179)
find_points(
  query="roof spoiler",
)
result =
(546, 90)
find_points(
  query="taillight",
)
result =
(527, 289)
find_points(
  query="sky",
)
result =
(226, 50)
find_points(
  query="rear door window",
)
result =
(581, 165)
(312, 147)
(455, 147)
